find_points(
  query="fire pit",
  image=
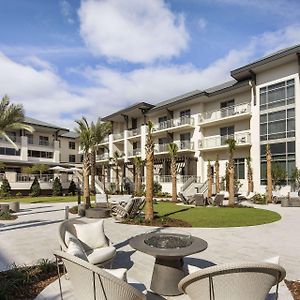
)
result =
(168, 247)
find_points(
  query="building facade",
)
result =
(259, 106)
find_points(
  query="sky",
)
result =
(64, 59)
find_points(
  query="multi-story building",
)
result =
(258, 107)
(49, 144)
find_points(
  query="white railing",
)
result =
(158, 148)
(41, 143)
(168, 178)
(13, 138)
(118, 136)
(240, 138)
(135, 152)
(174, 123)
(134, 132)
(103, 156)
(185, 145)
(30, 177)
(234, 110)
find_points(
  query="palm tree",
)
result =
(115, 159)
(138, 163)
(11, 118)
(231, 145)
(86, 143)
(269, 173)
(249, 175)
(209, 180)
(149, 147)
(99, 131)
(173, 149)
(217, 170)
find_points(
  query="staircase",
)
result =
(98, 184)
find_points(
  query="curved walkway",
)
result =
(34, 235)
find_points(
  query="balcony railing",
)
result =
(168, 178)
(118, 136)
(220, 141)
(174, 123)
(225, 112)
(135, 152)
(13, 138)
(103, 156)
(134, 132)
(30, 177)
(185, 145)
(158, 148)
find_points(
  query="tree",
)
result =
(217, 170)
(57, 187)
(5, 189)
(209, 180)
(35, 189)
(269, 173)
(149, 147)
(231, 147)
(279, 176)
(226, 178)
(249, 174)
(39, 168)
(11, 118)
(72, 188)
(115, 159)
(2, 166)
(99, 131)
(138, 163)
(173, 149)
(86, 143)
(296, 178)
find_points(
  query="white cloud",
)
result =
(133, 30)
(201, 23)
(66, 11)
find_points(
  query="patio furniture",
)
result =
(277, 197)
(131, 209)
(168, 268)
(95, 243)
(4, 207)
(199, 200)
(101, 200)
(218, 200)
(247, 281)
(246, 196)
(225, 193)
(14, 206)
(92, 283)
(185, 200)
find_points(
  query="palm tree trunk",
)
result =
(231, 181)
(93, 171)
(149, 188)
(86, 183)
(209, 181)
(138, 184)
(217, 168)
(174, 179)
(269, 174)
(117, 180)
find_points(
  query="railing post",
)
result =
(66, 212)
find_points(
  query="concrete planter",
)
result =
(81, 210)
(14, 206)
(285, 202)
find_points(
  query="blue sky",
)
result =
(66, 58)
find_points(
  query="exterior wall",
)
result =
(65, 150)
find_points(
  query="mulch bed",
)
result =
(25, 283)
(158, 222)
(294, 287)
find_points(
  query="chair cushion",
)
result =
(120, 273)
(100, 255)
(68, 237)
(91, 234)
(74, 248)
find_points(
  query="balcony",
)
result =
(134, 132)
(30, 177)
(15, 139)
(135, 152)
(160, 148)
(118, 136)
(174, 125)
(42, 143)
(185, 145)
(219, 142)
(236, 112)
(103, 156)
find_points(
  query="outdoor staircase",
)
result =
(98, 184)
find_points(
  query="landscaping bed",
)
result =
(6, 216)
(26, 282)
(158, 221)
(294, 287)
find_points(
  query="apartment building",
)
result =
(258, 107)
(49, 144)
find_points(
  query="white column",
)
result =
(143, 141)
(126, 146)
(110, 145)
(24, 148)
(56, 153)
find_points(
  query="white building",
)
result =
(258, 107)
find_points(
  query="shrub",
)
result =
(5, 215)
(73, 210)
(57, 187)
(46, 265)
(35, 189)
(259, 199)
(19, 194)
(5, 190)
(72, 188)
(156, 188)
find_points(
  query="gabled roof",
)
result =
(32, 121)
(70, 134)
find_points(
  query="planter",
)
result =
(81, 210)
(14, 206)
(97, 213)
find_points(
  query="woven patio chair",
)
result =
(244, 281)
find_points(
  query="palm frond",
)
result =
(9, 140)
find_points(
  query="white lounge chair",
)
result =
(92, 283)
(247, 281)
(131, 209)
(101, 254)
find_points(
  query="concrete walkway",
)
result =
(34, 235)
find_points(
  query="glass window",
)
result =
(72, 158)
(239, 165)
(72, 145)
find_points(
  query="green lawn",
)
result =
(216, 216)
(44, 199)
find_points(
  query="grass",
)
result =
(215, 217)
(43, 199)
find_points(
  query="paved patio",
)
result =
(34, 235)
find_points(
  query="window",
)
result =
(185, 140)
(185, 117)
(30, 138)
(226, 133)
(12, 135)
(239, 168)
(227, 108)
(72, 158)
(163, 122)
(9, 151)
(44, 141)
(40, 154)
(72, 145)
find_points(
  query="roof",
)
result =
(242, 72)
(70, 134)
(36, 122)
(140, 105)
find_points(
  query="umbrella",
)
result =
(74, 169)
(58, 168)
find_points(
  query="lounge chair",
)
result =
(101, 254)
(246, 196)
(185, 200)
(199, 200)
(101, 200)
(218, 200)
(247, 281)
(92, 283)
(131, 209)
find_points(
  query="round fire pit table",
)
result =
(168, 248)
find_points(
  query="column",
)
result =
(24, 148)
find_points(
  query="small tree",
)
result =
(209, 180)
(296, 178)
(138, 163)
(40, 169)
(72, 188)
(173, 149)
(249, 174)
(226, 178)
(217, 169)
(269, 173)
(57, 187)
(231, 147)
(115, 159)
(5, 190)
(35, 189)
(278, 176)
